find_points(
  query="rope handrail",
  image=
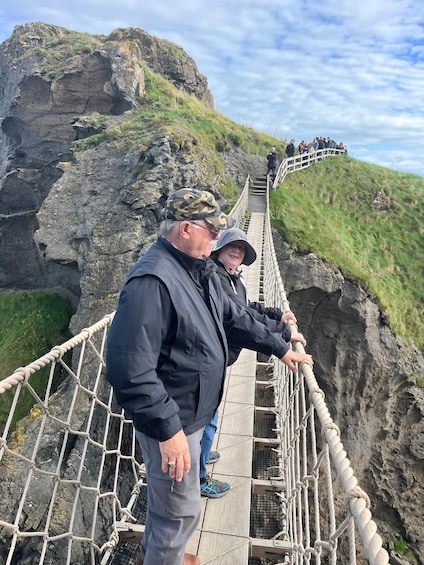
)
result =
(354, 496)
(62, 491)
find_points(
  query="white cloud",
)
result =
(351, 70)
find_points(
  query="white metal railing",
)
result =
(70, 471)
(298, 162)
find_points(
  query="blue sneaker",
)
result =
(213, 488)
(213, 457)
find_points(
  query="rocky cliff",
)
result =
(66, 215)
(370, 378)
(51, 82)
(79, 220)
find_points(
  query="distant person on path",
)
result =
(272, 162)
(342, 146)
(231, 251)
(303, 147)
(167, 353)
(290, 150)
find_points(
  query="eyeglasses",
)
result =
(212, 230)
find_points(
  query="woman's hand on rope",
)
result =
(292, 357)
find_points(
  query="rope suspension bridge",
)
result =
(72, 480)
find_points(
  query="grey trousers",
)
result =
(173, 508)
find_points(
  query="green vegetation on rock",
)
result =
(191, 126)
(32, 323)
(401, 547)
(367, 221)
(58, 48)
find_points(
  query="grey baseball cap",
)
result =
(232, 235)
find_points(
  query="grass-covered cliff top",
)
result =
(368, 221)
(200, 132)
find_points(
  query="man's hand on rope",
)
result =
(296, 336)
(288, 317)
(292, 357)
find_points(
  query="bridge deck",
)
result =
(223, 534)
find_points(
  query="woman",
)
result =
(232, 250)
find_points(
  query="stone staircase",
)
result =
(259, 186)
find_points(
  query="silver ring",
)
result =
(171, 463)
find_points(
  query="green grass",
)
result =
(195, 130)
(404, 550)
(328, 209)
(58, 49)
(32, 323)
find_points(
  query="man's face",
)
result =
(202, 237)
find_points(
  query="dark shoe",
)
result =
(213, 457)
(212, 488)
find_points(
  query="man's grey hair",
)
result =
(167, 225)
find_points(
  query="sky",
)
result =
(351, 70)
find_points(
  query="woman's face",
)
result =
(232, 255)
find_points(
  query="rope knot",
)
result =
(331, 426)
(357, 492)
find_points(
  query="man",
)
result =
(166, 360)
(230, 252)
(290, 149)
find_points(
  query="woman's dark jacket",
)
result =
(167, 346)
(235, 287)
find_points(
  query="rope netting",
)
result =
(327, 516)
(70, 471)
(62, 467)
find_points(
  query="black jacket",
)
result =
(167, 345)
(272, 160)
(235, 287)
(290, 150)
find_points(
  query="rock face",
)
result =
(47, 96)
(369, 377)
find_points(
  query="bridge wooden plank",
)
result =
(223, 534)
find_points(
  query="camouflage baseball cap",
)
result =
(191, 204)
